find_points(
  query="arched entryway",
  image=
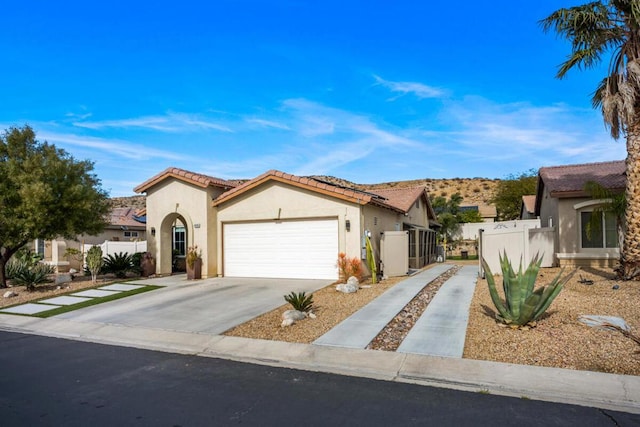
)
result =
(173, 240)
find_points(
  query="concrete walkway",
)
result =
(360, 328)
(442, 328)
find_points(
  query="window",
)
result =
(417, 204)
(130, 234)
(40, 247)
(599, 233)
(179, 244)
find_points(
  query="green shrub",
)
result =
(30, 277)
(522, 304)
(119, 264)
(300, 301)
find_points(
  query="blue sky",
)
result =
(367, 91)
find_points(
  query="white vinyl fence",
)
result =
(471, 230)
(111, 247)
(520, 245)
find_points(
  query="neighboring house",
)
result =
(125, 224)
(487, 212)
(562, 203)
(528, 207)
(277, 225)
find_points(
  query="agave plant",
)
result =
(522, 304)
(32, 276)
(300, 301)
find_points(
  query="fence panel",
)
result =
(519, 244)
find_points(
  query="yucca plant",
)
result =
(32, 276)
(300, 301)
(523, 305)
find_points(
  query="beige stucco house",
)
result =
(562, 203)
(276, 225)
(125, 224)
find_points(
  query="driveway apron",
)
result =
(209, 306)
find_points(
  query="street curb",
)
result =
(584, 388)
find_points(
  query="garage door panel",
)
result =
(282, 249)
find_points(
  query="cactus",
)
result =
(523, 305)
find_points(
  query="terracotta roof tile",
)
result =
(572, 178)
(401, 198)
(124, 217)
(303, 182)
(198, 179)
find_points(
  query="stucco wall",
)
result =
(418, 215)
(171, 199)
(570, 252)
(275, 200)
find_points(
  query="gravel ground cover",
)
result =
(559, 340)
(330, 307)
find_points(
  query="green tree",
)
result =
(508, 195)
(447, 211)
(609, 30)
(470, 216)
(44, 193)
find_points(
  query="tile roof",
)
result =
(197, 179)
(312, 184)
(569, 180)
(125, 217)
(529, 203)
(402, 198)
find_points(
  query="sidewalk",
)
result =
(606, 391)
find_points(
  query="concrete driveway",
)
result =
(208, 306)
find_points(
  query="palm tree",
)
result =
(595, 30)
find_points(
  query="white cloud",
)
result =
(112, 146)
(420, 90)
(171, 122)
(520, 136)
(268, 123)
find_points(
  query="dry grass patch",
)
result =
(559, 340)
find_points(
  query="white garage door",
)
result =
(282, 249)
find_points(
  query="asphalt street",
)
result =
(54, 382)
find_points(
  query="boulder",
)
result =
(347, 288)
(353, 281)
(9, 294)
(289, 317)
(63, 278)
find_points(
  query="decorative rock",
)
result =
(63, 278)
(9, 294)
(616, 287)
(311, 315)
(72, 271)
(353, 281)
(347, 288)
(289, 317)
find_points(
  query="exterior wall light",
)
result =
(347, 225)
(153, 231)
